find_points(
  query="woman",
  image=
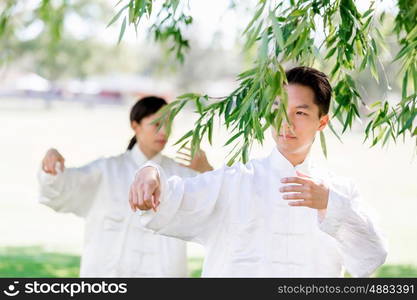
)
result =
(115, 244)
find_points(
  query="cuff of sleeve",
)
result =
(50, 186)
(336, 211)
(46, 178)
(168, 205)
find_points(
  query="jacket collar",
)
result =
(280, 163)
(139, 158)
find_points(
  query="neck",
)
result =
(295, 158)
(149, 153)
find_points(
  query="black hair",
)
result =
(315, 80)
(144, 107)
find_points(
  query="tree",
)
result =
(302, 32)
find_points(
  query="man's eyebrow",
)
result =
(305, 106)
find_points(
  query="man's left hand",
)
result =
(305, 191)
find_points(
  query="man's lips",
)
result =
(287, 136)
(161, 141)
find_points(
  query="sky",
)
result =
(209, 17)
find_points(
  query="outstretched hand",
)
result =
(145, 190)
(50, 161)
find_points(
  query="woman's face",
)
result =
(148, 135)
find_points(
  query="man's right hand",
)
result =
(49, 162)
(145, 190)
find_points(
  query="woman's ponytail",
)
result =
(131, 143)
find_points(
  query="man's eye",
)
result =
(301, 113)
(157, 124)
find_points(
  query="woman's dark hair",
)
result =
(144, 107)
(317, 81)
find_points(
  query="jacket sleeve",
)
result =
(193, 208)
(184, 172)
(72, 190)
(361, 244)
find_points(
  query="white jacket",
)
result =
(248, 230)
(115, 244)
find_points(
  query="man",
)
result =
(274, 217)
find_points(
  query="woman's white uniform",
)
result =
(115, 244)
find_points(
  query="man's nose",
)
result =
(286, 125)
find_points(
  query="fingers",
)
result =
(183, 160)
(133, 199)
(51, 159)
(141, 204)
(298, 180)
(143, 198)
(293, 196)
(301, 203)
(184, 157)
(144, 193)
(44, 168)
(157, 196)
(294, 188)
(187, 155)
(148, 198)
(49, 166)
(62, 165)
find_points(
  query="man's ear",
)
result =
(324, 120)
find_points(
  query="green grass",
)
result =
(36, 262)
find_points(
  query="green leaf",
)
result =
(263, 50)
(330, 53)
(297, 13)
(232, 160)
(294, 35)
(122, 30)
(116, 17)
(334, 132)
(323, 143)
(210, 131)
(412, 34)
(375, 104)
(255, 17)
(404, 86)
(188, 96)
(233, 138)
(245, 153)
(277, 31)
(409, 123)
(184, 137)
(199, 105)
(374, 70)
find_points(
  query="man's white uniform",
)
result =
(115, 244)
(238, 214)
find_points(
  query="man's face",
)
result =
(303, 114)
(148, 134)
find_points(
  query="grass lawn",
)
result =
(36, 262)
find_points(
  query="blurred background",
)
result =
(78, 100)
